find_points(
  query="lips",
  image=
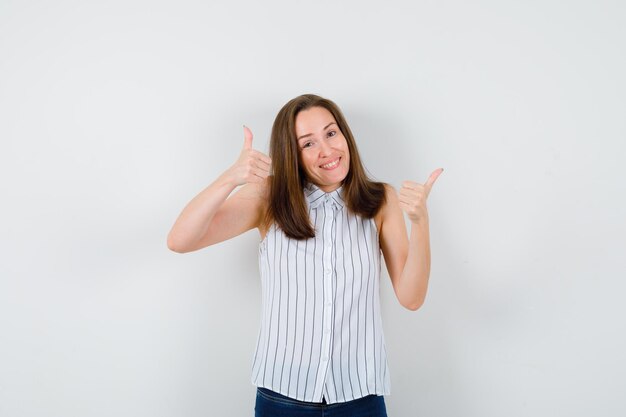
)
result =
(331, 165)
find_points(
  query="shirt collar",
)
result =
(316, 196)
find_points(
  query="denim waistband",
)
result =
(282, 398)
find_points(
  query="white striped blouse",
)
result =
(321, 334)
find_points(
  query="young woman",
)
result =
(323, 225)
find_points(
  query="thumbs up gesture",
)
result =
(413, 197)
(252, 165)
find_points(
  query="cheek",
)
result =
(346, 151)
(344, 146)
(307, 161)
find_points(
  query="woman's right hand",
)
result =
(252, 165)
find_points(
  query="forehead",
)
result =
(313, 120)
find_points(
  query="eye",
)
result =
(307, 144)
(331, 133)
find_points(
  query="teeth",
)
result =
(332, 164)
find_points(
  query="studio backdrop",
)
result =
(113, 115)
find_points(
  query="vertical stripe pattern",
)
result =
(321, 333)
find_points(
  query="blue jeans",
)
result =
(272, 404)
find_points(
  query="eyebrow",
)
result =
(310, 134)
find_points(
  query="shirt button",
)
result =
(324, 358)
(327, 331)
(328, 304)
(328, 272)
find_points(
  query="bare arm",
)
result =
(408, 259)
(212, 217)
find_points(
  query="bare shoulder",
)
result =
(391, 198)
(391, 202)
(390, 192)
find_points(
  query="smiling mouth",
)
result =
(331, 165)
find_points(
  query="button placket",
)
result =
(329, 214)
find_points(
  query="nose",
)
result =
(325, 149)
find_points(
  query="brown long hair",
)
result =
(287, 206)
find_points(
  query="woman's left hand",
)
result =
(413, 197)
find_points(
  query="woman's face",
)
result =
(324, 153)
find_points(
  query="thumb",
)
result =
(247, 137)
(433, 177)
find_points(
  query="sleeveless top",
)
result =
(321, 333)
